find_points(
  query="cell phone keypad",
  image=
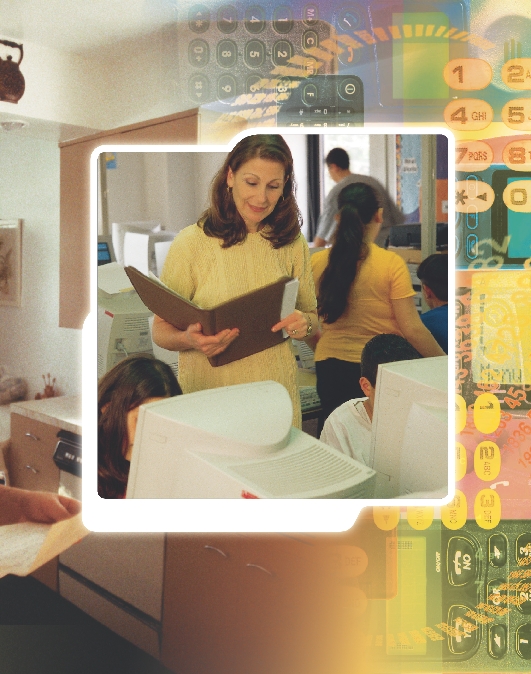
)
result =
(487, 598)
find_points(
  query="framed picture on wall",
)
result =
(10, 262)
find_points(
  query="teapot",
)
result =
(12, 82)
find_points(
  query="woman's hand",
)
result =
(209, 346)
(171, 338)
(21, 505)
(296, 325)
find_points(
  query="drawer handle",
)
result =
(33, 470)
(33, 437)
(211, 547)
(257, 566)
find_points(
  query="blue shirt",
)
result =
(436, 320)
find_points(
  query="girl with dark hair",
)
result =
(132, 382)
(363, 291)
(248, 237)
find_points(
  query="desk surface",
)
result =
(63, 411)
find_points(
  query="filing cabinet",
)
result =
(30, 459)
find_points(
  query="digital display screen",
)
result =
(407, 610)
(420, 57)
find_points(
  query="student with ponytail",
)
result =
(362, 291)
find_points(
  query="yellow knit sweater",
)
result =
(198, 268)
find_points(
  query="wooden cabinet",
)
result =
(31, 463)
(181, 128)
(243, 603)
(30, 466)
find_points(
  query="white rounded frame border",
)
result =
(229, 515)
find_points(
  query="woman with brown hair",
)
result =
(248, 237)
(132, 382)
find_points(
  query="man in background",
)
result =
(433, 274)
(338, 164)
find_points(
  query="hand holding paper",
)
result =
(21, 505)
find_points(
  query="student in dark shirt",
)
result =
(433, 274)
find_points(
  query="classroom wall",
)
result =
(31, 343)
(174, 187)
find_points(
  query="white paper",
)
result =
(289, 300)
(26, 546)
(19, 546)
(136, 251)
(112, 279)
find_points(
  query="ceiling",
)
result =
(80, 25)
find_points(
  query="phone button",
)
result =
(255, 20)
(466, 638)
(310, 15)
(254, 54)
(523, 641)
(310, 40)
(462, 565)
(472, 246)
(310, 94)
(498, 550)
(472, 217)
(253, 84)
(227, 53)
(199, 18)
(495, 595)
(198, 88)
(349, 19)
(227, 19)
(497, 643)
(347, 88)
(227, 87)
(282, 52)
(283, 19)
(198, 53)
(523, 557)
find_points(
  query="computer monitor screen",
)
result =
(409, 436)
(105, 250)
(140, 250)
(236, 442)
(119, 230)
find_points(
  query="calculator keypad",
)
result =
(269, 64)
(487, 613)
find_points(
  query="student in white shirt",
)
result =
(348, 428)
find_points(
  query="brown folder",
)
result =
(254, 313)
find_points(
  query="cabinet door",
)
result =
(241, 604)
(74, 202)
(31, 466)
(31, 463)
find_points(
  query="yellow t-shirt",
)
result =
(198, 268)
(383, 276)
